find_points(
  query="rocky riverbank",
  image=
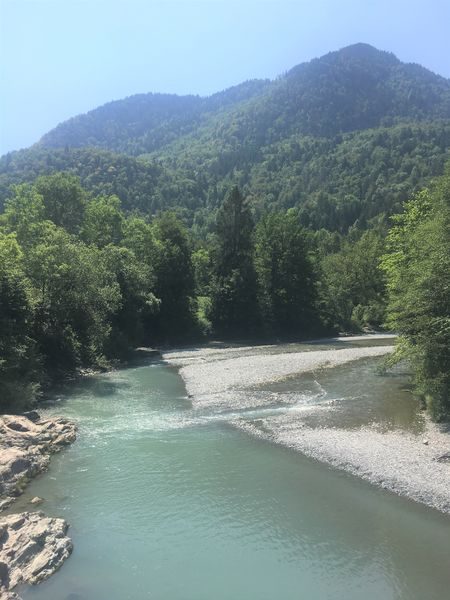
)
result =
(32, 545)
(236, 380)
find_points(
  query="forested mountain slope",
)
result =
(357, 87)
(334, 182)
(146, 122)
(344, 138)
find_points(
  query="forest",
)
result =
(275, 210)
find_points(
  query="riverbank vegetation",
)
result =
(417, 265)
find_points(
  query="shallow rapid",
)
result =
(173, 501)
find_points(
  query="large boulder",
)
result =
(32, 547)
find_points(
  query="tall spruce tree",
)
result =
(175, 283)
(234, 311)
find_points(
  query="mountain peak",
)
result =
(364, 52)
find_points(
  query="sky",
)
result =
(59, 58)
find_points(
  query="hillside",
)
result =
(355, 88)
(146, 122)
(345, 138)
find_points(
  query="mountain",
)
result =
(344, 138)
(355, 88)
(146, 122)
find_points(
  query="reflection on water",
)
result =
(170, 503)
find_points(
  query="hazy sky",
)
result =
(59, 58)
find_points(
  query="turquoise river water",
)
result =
(166, 505)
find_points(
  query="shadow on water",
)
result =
(99, 384)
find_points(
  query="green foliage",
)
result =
(417, 266)
(202, 264)
(103, 222)
(285, 275)
(305, 140)
(74, 294)
(76, 289)
(162, 117)
(96, 256)
(316, 98)
(352, 286)
(64, 200)
(24, 212)
(234, 287)
(175, 280)
(17, 353)
(135, 279)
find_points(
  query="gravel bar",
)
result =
(403, 462)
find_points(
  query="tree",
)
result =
(24, 214)
(417, 265)
(352, 287)
(64, 200)
(138, 303)
(175, 283)
(285, 275)
(234, 310)
(74, 295)
(18, 361)
(103, 221)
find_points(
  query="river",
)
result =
(170, 503)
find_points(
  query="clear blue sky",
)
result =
(59, 58)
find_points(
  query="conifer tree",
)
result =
(234, 310)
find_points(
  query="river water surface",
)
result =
(173, 504)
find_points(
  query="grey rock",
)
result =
(36, 500)
(25, 449)
(32, 547)
(444, 458)
(146, 352)
(32, 415)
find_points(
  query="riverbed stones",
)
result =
(32, 547)
(214, 377)
(444, 458)
(146, 353)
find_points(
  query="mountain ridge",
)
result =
(344, 139)
(314, 98)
